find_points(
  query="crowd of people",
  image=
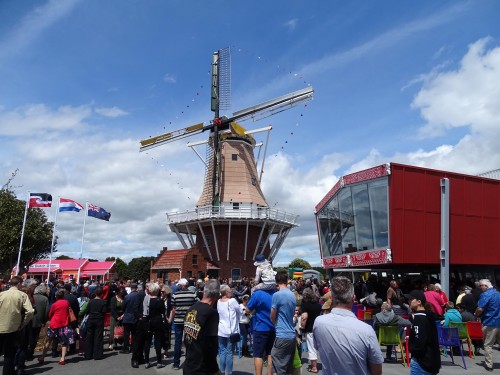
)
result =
(270, 317)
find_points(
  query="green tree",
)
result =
(139, 268)
(121, 268)
(37, 233)
(63, 257)
(300, 263)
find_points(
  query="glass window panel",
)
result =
(362, 217)
(330, 228)
(380, 216)
(347, 221)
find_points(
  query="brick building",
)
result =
(188, 263)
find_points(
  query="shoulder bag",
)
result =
(73, 321)
(233, 337)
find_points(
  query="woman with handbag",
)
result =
(94, 341)
(229, 330)
(59, 328)
(116, 326)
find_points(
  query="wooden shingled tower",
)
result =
(232, 221)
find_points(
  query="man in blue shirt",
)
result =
(263, 329)
(488, 308)
(282, 312)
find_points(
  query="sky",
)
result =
(82, 82)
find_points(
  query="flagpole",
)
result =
(53, 237)
(83, 235)
(22, 232)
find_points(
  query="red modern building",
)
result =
(389, 218)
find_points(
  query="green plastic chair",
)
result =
(463, 334)
(390, 335)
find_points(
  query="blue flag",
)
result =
(98, 212)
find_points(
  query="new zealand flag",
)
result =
(98, 212)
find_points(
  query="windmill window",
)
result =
(195, 260)
(236, 206)
(234, 157)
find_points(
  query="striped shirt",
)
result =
(182, 300)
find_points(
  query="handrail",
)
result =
(223, 212)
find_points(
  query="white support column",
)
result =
(189, 236)
(228, 240)
(205, 241)
(246, 242)
(179, 236)
(215, 240)
(258, 241)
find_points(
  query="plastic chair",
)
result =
(475, 330)
(364, 313)
(369, 321)
(357, 307)
(448, 337)
(463, 334)
(389, 335)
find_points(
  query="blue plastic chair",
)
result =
(448, 337)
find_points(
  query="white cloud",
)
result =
(33, 25)
(38, 118)
(111, 112)
(169, 78)
(466, 97)
(292, 24)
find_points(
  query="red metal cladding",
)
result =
(368, 174)
(415, 221)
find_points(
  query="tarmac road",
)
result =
(116, 363)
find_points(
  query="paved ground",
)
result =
(116, 363)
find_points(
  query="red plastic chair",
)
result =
(475, 330)
(407, 339)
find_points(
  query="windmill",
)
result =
(231, 196)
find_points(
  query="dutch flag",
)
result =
(69, 205)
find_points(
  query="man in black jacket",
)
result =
(424, 345)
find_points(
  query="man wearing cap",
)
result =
(424, 345)
(488, 308)
(182, 300)
(346, 345)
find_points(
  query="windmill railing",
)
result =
(231, 213)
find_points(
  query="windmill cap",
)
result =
(259, 259)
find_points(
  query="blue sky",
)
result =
(83, 81)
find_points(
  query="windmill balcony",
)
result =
(232, 213)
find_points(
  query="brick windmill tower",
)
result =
(232, 221)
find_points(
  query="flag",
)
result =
(42, 200)
(69, 205)
(98, 212)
